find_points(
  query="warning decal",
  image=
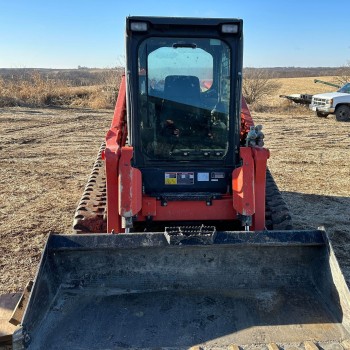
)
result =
(203, 177)
(170, 179)
(217, 175)
(179, 178)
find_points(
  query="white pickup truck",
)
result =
(337, 103)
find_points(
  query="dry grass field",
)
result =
(88, 89)
(290, 86)
(47, 154)
(305, 85)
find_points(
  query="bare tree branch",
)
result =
(257, 84)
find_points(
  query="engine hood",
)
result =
(329, 95)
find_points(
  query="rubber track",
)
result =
(90, 216)
(277, 213)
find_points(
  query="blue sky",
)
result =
(65, 34)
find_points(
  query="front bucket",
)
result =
(138, 291)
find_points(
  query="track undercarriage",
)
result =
(90, 216)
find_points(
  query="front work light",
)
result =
(229, 28)
(138, 26)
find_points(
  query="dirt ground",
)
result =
(47, 154)
(46, 157)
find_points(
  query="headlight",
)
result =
(229, 28)
(329, 102)
(138, 26)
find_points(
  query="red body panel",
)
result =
(249, 185)
(260, 156)
(243, 184)
(114, 141)
(246, 119)
(130, 185)
(220, 209)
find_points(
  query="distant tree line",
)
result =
(72, 77)
(84, 76)
(298, 72)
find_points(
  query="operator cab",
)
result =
(184, 94)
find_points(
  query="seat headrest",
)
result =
(181, 88)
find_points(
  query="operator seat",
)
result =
(181, 102)
(183, 89)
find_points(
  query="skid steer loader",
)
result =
(182, 238)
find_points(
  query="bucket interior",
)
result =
(181, 296)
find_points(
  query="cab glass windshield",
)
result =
(184, 98)
(345, 89)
